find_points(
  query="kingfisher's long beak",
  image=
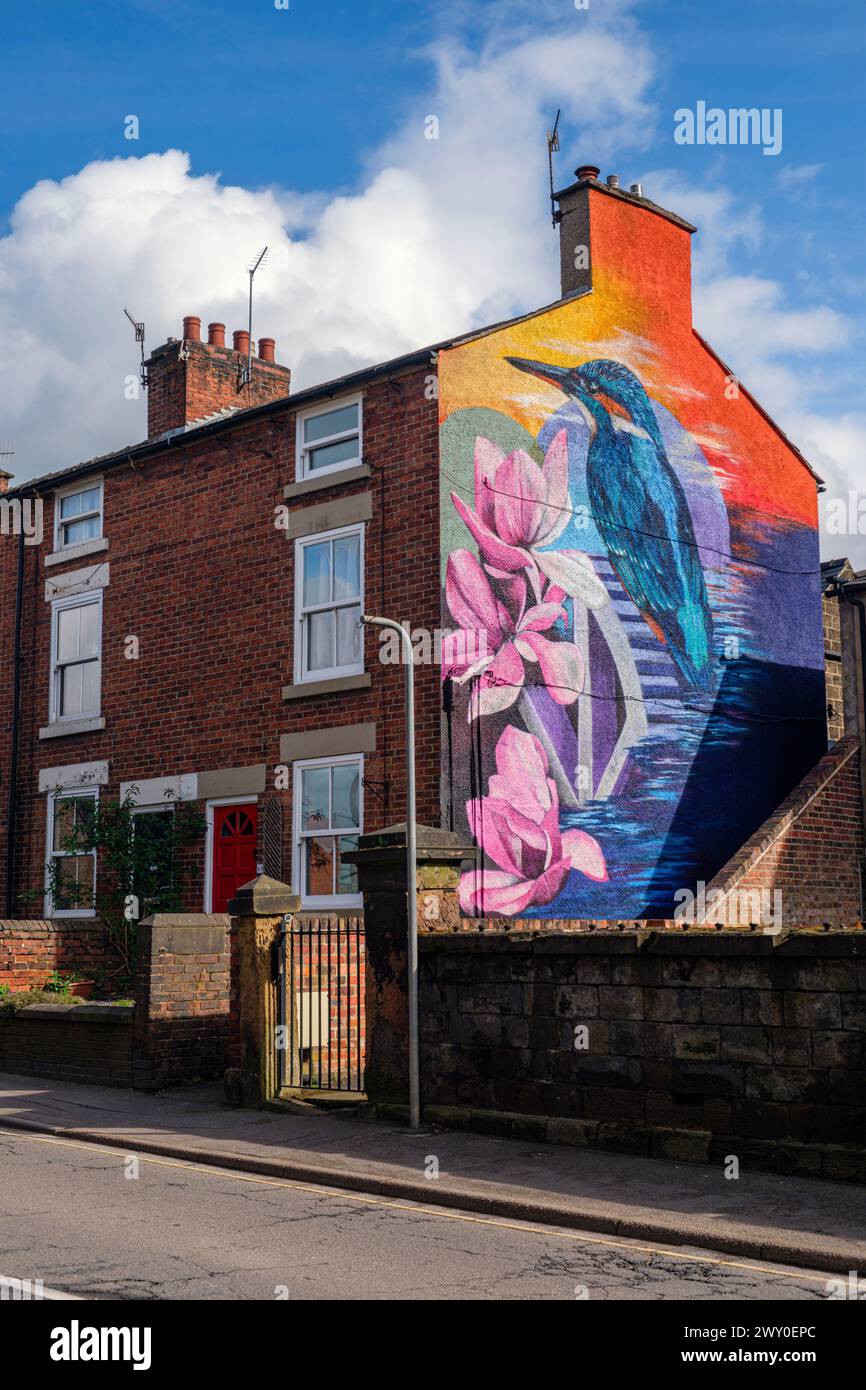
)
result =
(557, 376)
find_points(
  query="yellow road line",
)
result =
(394, 1204)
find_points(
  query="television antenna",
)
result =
(552, 149)
(139, 338)
(245, 374)
(7, 456)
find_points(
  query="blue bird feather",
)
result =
(640, 510)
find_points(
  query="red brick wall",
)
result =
(811, 849)
(200, 574)
(31, 950)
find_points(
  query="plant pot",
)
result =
(82, 988)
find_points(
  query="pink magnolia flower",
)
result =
(517, 826)
(508, 634)
(519, 508)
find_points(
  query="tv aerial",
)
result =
(139, 338)
(552, 149)
(245, 374)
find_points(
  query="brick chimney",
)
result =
(5, 479)
(610, 237)
(188, 380)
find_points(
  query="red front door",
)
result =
(234, 852)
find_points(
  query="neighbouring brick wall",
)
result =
(31, 950)
(89, 1043)
(183, 1024)
(697, 1046)
(811, 849)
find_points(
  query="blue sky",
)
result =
(316, 101)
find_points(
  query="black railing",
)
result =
(323, 1004)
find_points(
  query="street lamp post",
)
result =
(411, 892)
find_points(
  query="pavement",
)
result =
(799, 1221)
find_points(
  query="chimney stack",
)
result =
(190, 380)
(610, 236)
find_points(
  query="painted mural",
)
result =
(634, 662)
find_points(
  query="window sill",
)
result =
(72, 726)
(78, 552)
(356, 474)
(303, 690)
(86, 915)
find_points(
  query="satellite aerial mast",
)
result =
(552, 149)
(245, 374)
(139, 338)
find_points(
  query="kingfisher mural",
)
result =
(634, 665)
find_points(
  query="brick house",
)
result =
(188, 626)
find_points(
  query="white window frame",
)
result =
(302, 471)
(333, 900)
(72, 601)
(50, 853)
(209, 839)
(302, 676)
(59, 543)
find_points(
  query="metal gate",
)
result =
(322, 1004)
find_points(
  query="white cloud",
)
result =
(443, 236)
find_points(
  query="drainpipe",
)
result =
(13, 757)
(411, 888)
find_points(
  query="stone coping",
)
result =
(790, 942)
(78, 1013)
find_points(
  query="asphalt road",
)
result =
(108, 1224)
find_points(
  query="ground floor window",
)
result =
(71, 870)
(328, 818)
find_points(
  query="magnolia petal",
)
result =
(487, 460)
(572, 571)
(542, 617)
(585, 853)
(557, 511)
(561, 665)
(469, 596)
(488, 891)
(518, 502)
(521, 761)
(503, 833)
(493, 549)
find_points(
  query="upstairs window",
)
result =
(78, 516)
(329, 439)
(76, 664)
(328, 604)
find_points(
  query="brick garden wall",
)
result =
(31, 950)
(698, 1045)
(183, 1025)
(90, 1043)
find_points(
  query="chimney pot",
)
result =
(241, 341)
(613, 180)
(267, 347)
(636, 189)
(192, 328)
(588, 171)
(216, 335)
